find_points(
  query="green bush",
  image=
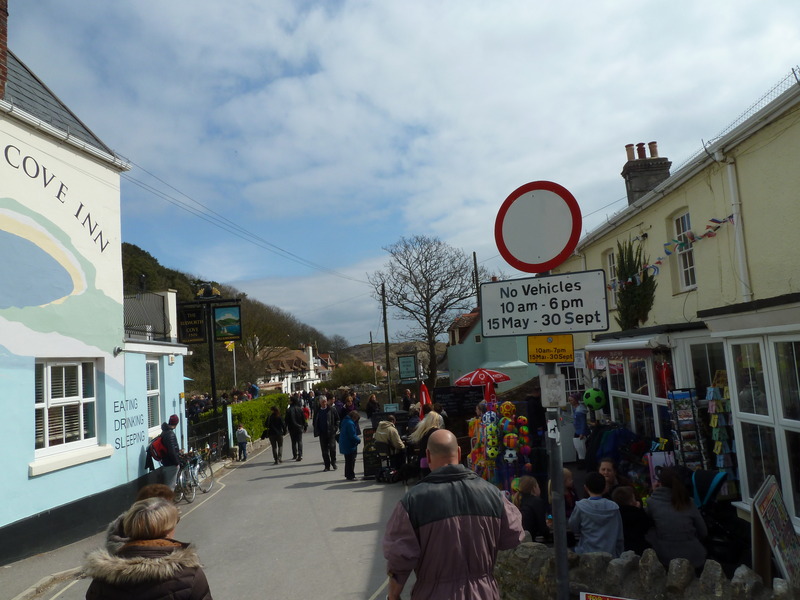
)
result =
(253, 413)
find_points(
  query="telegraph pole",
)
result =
(386, 343)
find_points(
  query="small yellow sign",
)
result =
(550, 349)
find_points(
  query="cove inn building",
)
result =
(80, 398)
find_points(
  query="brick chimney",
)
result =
(3, 47)
(643, 174)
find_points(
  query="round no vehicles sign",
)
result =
(538, 226)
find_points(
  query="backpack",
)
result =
(157, 450)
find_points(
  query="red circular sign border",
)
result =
(572, 243)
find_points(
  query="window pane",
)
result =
(793, 447)
(71, 381)
(39, 385)
(638, 371)
(787, 354)
(645, 421)
(72, 422)
(664, 373)
(153, 403)
(616, 375)
(152, 376)
(57, 382)
(664, 422)
(88, 379)
(708, 366)
(749, 372)
(39, 427)
(55, 426)
(760, 455)
(89, 421)
(622, 412)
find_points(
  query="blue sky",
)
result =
(310, 135)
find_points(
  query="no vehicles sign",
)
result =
(569, 303)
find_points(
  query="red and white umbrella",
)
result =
(486, 378)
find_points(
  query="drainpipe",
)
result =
(738, 227)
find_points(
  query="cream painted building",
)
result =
(720, 234)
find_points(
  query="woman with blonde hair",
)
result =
(419, 438)
(150, 565)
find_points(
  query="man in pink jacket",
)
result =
(448, 529)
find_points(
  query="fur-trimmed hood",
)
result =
(141, 561)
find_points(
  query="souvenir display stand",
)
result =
(687, 432)
(720, 421)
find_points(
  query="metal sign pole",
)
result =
(556, 469)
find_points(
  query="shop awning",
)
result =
(635, 346)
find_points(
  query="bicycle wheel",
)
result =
(180, 486)
(190, 491)
(205, 476)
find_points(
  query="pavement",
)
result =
(278, 531)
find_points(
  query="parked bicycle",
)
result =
(195, 473)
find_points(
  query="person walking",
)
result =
(276, 429)
(242, 437)
(172, 458)
(452, 503)
(297, 426)
(348, 443)
(150, 565)
(326, 426)
(579, 412)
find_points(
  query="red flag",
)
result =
(424, 394)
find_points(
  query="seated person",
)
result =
(387, 433)
(635, 522)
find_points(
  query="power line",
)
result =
(200, 210)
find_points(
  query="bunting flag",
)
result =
(670, 247)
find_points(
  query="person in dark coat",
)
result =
(172, 459)
(679, 527)
(276, 429)
(635, 522)
(297, 426)
(533, 508)
(150, 565)
(326, 426)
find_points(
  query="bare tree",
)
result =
(429, 283)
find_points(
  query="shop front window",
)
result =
(616, 375)
(663, 372)
(749, 372)
(793, 446)
(788, 358)
(760, 455)
(644, 419)
(708, 367)
(638, 370)
(622, 412)
(664, 422)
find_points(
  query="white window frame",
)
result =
(44, 401)
(684, 253)
(611, 265)
(153, 392)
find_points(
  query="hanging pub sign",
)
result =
(227, 323)
(191, 324)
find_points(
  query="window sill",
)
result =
(56, 462)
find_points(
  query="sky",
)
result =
(280, 146)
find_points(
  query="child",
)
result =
(242, 438)
(635, 522)
(532, 507)
(597, 520)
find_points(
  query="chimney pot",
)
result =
(653, 149)
(640, 152)
(629, 151)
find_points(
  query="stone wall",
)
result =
(528, 573)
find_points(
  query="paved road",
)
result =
(265, 531)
